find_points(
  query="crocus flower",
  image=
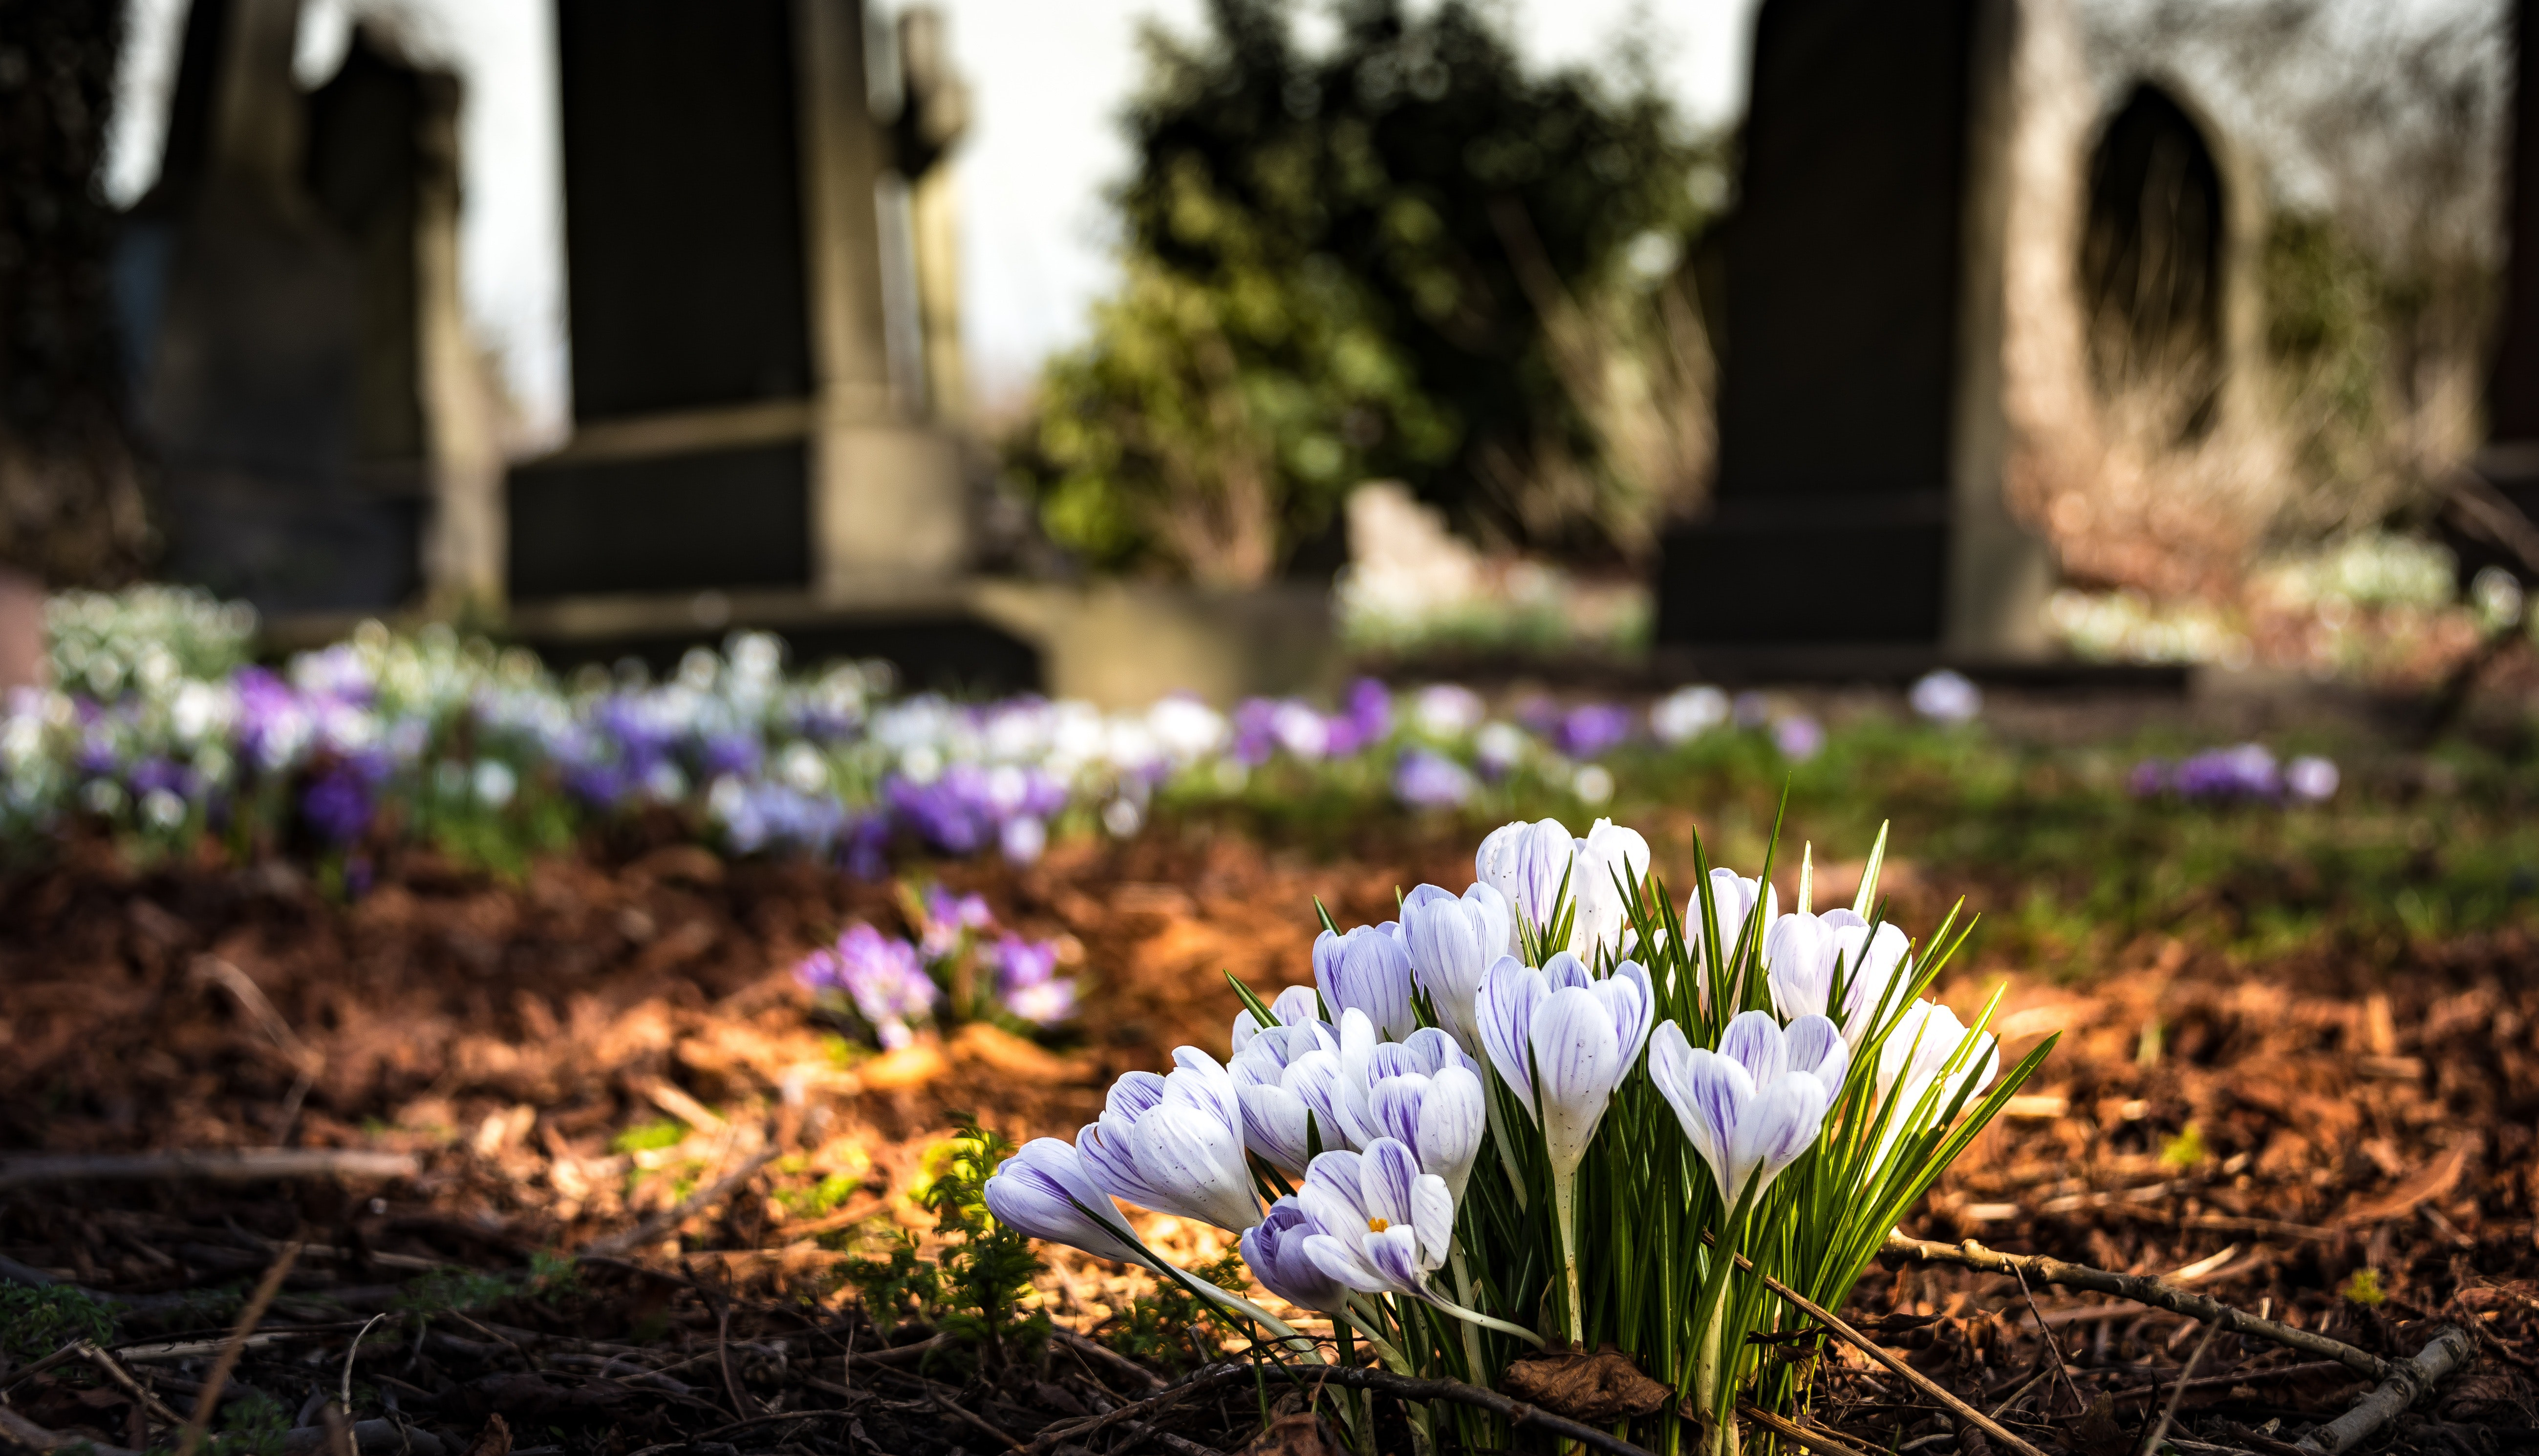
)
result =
(1752, 1107)
(1804, 954)
(880, 975)
(1287, 1074)
(1732, 904)
(1687, 713)
(1297, 1006)
(2311, 778)
(1611, 860)
(1381, 1225)
(1563, 1040)
(1275, 1248)
(1439, 1117)
(1944, 696)
(1913, 1071)
(1046, 1191)
(1425, 779)
(1798, 737)
(1043, 1191)
(1451, 942)
(1174, 1144)
(1591, 731)
(1926, 1039)
(1367, 969)
(1530, 865)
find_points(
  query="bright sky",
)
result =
(1047, 79)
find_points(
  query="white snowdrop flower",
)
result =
(920, 763)
(160, 808)
(1594, 785)
(496, 783)
(1187, 728)
(1687, 713)
(1499, 746)
(1446, 710)
(1123, 818)
(802, 768)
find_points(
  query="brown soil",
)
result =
(2295, 1135)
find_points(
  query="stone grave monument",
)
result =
(753, 408)
(288, 292)
(2490, 516)
(1859, 521)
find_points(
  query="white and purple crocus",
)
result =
(1752, 1107)
(1563, 1039)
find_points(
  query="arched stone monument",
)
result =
(1872, 363)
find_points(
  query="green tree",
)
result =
(1403, 256)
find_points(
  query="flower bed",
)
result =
(1455, 1148)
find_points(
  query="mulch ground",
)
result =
(574, 1057)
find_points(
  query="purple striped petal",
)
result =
(1510, 994)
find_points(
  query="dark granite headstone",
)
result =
(687, 291)
(1845, 357)
(2510, 460)
(266, 284)
(735, 422)
(683, 219)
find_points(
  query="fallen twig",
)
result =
(25, 1432)
(2407, 1381)
(688, 1208)
(2176, 1396)
(1516, 1413)
(2143, 1289)
(953, 1408)
(1200, 1383)
(1874, 1350)
(223, 1165)
(112, 1369)
(1787, 1429)
(249, 1318)
(306, 1062)
(1111, 1360)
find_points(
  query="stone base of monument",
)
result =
(1118, 645)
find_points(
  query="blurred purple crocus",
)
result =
(1428, 780)
(1799, 738)
(949, 917)
(880, 976)
(2311, 778)
(1591, 731)
(342, 797)
(1028, 982)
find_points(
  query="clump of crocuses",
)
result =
(1554, 1108)
(962, 966)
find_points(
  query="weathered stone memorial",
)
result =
(1858, 517)
(742, 420)
(2483, 530)
(288, 292)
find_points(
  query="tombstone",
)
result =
(274, 288)
(2167, 260)
(1858, 520)
(742, 418)
(2478, 524)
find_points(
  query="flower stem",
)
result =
(1507, 1158)
(1564, 1209)
(1472, 1333)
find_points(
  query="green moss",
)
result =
(649, 1137)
